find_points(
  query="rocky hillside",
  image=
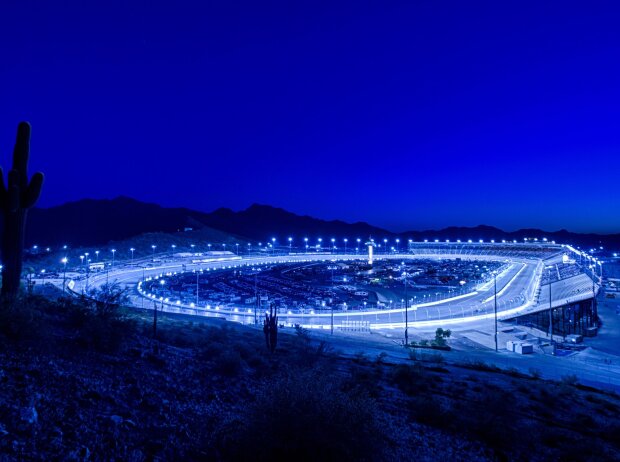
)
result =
(79, 383)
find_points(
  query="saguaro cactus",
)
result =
(15, 200)
(270, 329)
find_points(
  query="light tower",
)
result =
(370, 244)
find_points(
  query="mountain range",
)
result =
(96, 222)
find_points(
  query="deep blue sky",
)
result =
(415, 115)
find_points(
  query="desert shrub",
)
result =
(380, 359)
(21, 320)
(210, 350)
(478, 365)
(410, 379)
(324, 349)
(570, 379)
(106, 300)
(302, 333)
(104, 333)
(304, 415)
(491, 420)
(361, 358)
(99, 321)
(535, 373)
(435, 358)
(228, 363)
(245, 349)
(441, 336)
(365, 378)
(427, 410)
(220, 334)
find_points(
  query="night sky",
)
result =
(406, 116)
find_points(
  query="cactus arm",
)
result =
(32, 193)
(21, 153)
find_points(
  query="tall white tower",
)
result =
(370, 244)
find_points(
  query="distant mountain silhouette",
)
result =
(90, 222)
(262, 222)
(96, 222)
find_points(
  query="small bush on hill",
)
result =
(304, 415)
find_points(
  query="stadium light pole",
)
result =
(64, 276)
(290, 245)
(306, 241)
(385, 251)
(113, 254)
(153, 248)
(132, 251)
(406, 311)
(97, 255)
(345, 245)
(357, 249)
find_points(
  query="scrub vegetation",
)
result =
(86, 380)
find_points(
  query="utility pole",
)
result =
(406, 312)
(197, 275)
(495, 298)
(155, 319)
(255, 298)
(550, 310)
(332, 320)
